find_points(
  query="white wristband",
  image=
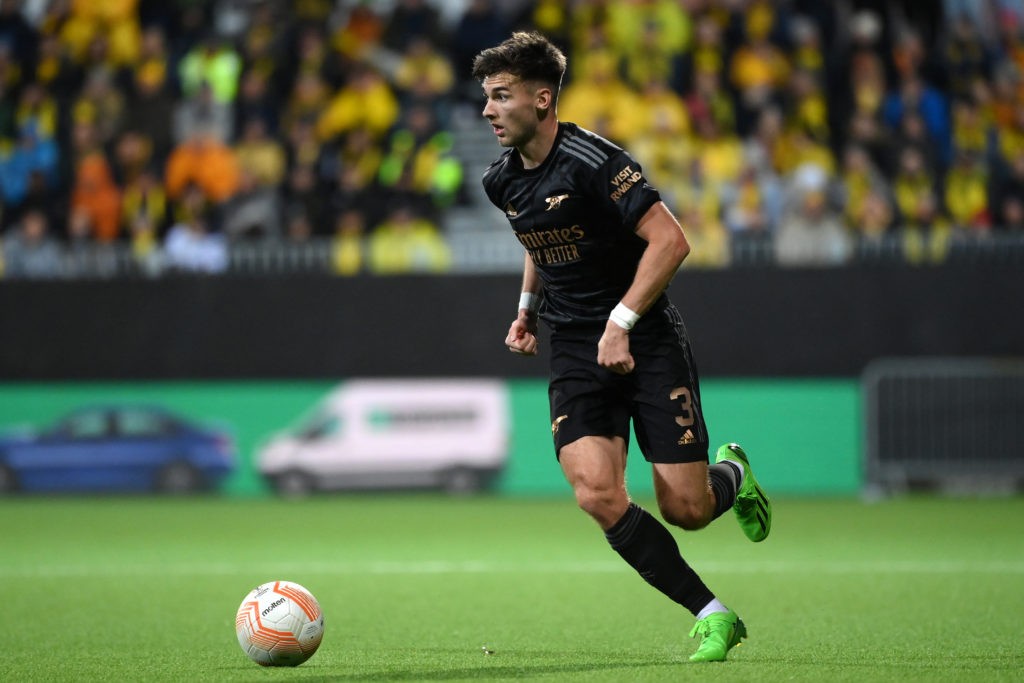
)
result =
(623, 316)
(529, 301)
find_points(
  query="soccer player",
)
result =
(601, 249)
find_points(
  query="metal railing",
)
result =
(951, 424)
(483, 251)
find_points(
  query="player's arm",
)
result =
(522, 335)
(666, 249)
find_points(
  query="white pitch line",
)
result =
(440, 567)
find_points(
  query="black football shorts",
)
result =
(661, 396)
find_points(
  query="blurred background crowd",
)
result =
(156, 136)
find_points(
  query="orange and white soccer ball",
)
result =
(279, 624)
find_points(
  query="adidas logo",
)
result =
(511, 210)
(687, 438)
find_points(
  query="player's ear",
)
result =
(544, 101)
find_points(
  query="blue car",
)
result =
(117, 448)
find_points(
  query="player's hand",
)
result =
(613, 350)
(522, 336)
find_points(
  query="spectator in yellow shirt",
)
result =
(407, 243)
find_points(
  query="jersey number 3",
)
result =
(682, 394)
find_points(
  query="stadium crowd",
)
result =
(820, 132)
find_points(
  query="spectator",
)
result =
(97, 196)
(114, 25)
(55, 72)
(595, 100)
(28, 249)
(214, 63)
(423, 153)
(1011, 136)
(102, 104)
(424, 77)
(1008, 194)
(205, 161)
(480, 26)
(133, 153)
(650, 38)
(873, 224)
(360, 35)
(928, 238)
(351, 194)
(366, 101)
(916, 96)
(348, 246)
(972, 132)
(719, 151)
(24, 162)
(256, 100)
(151, 100)
(658, 106)
(315, 55)
(811, 232)
(304, 197)
(144, 207)
(749, 205)
(263, 156)
(409, 21)
(706, 55)
(407, 243)
(709, 101)
(965, 57)
(859, 181)
(37, 113)
(966, 195)
(709, 241)
(914, 188)
(190, 247)
(263, 41)
(306, 101)
(202, 112)
(758, 69)
(253, 212)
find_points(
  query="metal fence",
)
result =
(944, 424)
(492, 251)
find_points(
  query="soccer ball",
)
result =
(279, 624)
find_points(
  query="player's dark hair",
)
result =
(528, 56)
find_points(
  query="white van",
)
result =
(451, 434)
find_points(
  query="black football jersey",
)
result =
(576, 215)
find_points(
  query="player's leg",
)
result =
(594, 466)
(669, 424)
(691, 494)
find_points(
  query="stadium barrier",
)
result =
(488, 252)
(743, 322)
(949, 424)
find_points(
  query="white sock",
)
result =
(739, 466)
(712, 607)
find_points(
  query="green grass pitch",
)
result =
(415, 587)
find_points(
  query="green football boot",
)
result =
(753, 509)
(719, 633)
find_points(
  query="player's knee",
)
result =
(687, 515)
(604, 503)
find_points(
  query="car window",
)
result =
(143, 423)
(86, 425)
(319, 426)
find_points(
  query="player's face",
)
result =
(510, 109)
